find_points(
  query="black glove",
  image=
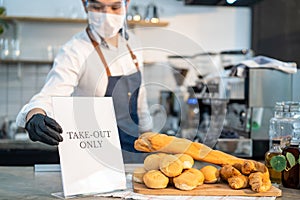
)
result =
(44, 129)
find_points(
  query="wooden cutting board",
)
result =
(217, 189)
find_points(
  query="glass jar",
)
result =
(286, 117)
(275, 176)
(274, 134)
(291, 175)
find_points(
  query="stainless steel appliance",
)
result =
(225, 112)
(234, 112)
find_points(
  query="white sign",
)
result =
(90, 154)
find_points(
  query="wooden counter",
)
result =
(24, 183)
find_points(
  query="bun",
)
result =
(189, 179)
(155, 179)
(171, 166)
(151, 162)
(211, 174)
(187, 160)
(138, 174)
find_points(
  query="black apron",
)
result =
(124, 91)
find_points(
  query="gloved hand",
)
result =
(44, 129)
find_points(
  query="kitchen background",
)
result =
(38, 28)
(190, 30)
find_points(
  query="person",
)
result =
(102, 60)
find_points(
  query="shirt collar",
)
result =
(101, 40)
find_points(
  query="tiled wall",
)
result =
(18, 83)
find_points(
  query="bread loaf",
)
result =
(156, 142)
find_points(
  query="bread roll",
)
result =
(171, 166)
(238, 182)
(189, 179)
(155, 179)
(211, 174)
(138, 174)
(228, 171)
(187, 160)
(151, 162)
(259, 182)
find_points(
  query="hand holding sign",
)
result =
(90, 155)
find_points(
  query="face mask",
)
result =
(105, 24)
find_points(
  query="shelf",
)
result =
(79, 21)
(42, 19)
(148, 24)
(26, 61)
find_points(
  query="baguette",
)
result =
(156, 142)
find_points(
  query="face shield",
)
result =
(116, 7)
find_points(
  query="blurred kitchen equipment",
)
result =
(174, 104)
(249, 107)
(15, 48)
(232, 57)
(5, 48)
(233, 112)
(151, 14)
(134, 13)
(199, 69)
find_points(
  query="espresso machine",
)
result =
(234, 112)
(228, 112)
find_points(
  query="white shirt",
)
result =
(78, 71)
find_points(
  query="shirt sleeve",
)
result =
(60, 81)
(145, 119)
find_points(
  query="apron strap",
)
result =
(133, 56)
(98, 49)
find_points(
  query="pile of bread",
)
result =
(173, 160)
(161, 170)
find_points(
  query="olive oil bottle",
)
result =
(275, 176)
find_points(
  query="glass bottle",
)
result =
(274, 134)
(290, 177)
(275, 150)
